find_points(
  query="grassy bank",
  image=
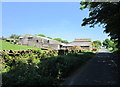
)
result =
(10, 46)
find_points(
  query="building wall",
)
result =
(83, 43)
(54, 46)
(86, 47)
(42, 42)
(37, 41)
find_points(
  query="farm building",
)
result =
(38, 41)
(43, 42)
(83, 43)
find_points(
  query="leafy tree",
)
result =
(41, 35)
(60, 40)
(49, 37)
(97, 44)
(14, 36)
(107, 43)
(106, 14)
(2, 36)
(64, 41)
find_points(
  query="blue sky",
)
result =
(53, 19)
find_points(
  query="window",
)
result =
(48, 41)
(37, 41)
(20, 38)
(30, 37)
(60, 46)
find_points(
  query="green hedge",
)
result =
(31, 69)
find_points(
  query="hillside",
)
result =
(8, 46)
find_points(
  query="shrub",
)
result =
(39, 68)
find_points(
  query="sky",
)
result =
(53, 19)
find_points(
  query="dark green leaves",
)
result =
(105, 13)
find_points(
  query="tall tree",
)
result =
(14, 36)
(58, 39)
(97, 44)
(41, 35)
(61, 40)
(64, 41)
(106, 14)
(107, 43)
(49, 37)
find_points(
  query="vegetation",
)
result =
(49, 37)
(109, 44)
(60, 40)
(97, 44)
(106, 14)
(36, 68)
(15, 36)
(10, 46)
(41, 35)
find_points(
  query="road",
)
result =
(101, 70)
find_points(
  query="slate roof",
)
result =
(82, 40)
(79, 42)
(50, 40)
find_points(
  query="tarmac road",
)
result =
(101, 70)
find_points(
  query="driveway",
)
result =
(101, 70)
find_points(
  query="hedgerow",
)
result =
(36, 68)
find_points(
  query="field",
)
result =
(8, 46)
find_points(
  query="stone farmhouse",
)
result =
(38, 41)
(43, 42)
(83, 43)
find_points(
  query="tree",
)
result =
(41, 35)
(97, 44)
(106, 14)
(49, 37)
(107, 43)
(60, 40)
(64, 41)
(14, 36)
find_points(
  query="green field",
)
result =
(8, 46)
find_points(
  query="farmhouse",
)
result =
(43, 42)
(83, 43)
(38, 41)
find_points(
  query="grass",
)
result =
(8, 46)
(92, 51)
(111, 50)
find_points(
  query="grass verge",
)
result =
(10, 46)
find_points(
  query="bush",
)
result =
(40, 68)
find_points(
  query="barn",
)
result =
(83, 43)
(38, 41)
(43, 42)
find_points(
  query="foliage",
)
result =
(15, 36)
(106, 14)
(107, 43)
(64, 41)
(49, 37)
(60, 40)
(97, 44)
(9, 46)
(31, 68)
(41, 35)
